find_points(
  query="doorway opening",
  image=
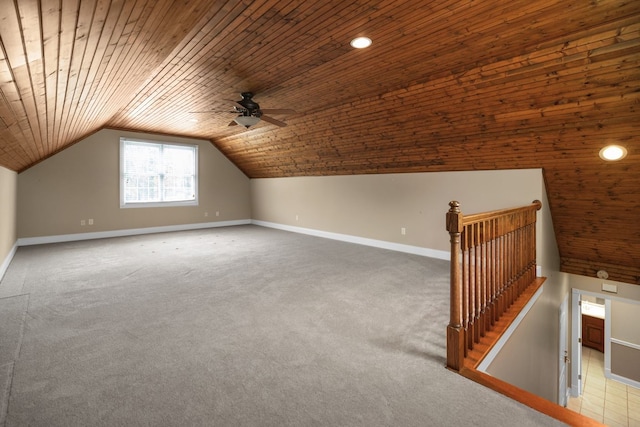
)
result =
(596, 391)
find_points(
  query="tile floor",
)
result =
(607, 401)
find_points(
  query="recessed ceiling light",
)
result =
(613, 153)
(361, 42)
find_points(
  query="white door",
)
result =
(564, 353)
(576, 344)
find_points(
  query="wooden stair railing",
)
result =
(493, 260)
(493, 276)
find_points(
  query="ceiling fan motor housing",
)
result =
(250, 113)
(248, 103)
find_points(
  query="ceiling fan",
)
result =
(250, 113)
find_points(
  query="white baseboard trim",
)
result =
(486, 362)
(28, 241)
(399, 247)
(621, 379)
(5, 264)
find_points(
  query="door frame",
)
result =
(563, 388)
(576, 337)
(576, 343)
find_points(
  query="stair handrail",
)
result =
(493, 259)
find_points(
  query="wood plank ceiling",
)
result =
(446, 86)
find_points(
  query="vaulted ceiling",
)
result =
(446, 86)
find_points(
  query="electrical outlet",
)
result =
(83, 222)
(403, 231)
(217, 213)
(206, 214)
(90, 221)
(296, 217)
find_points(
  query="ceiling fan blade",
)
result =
(236, 104)
(277, 111)
(273, 121)
(211, 112)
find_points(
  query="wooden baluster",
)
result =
(478, 282)
(455, 334)
(524, 241)
(516, 261)
(496, 271)
(521, 255)
(487, 274)
(525, 255)
(514, 267)
(532, 239)
(523, 262)
(491, 273)
(486, 282)
(509, 263)
(482, 294)
(532, 248)
(507, 270)
(466, 291)
(503, 267)
(500, 267)
(471, 288)
(525, 258)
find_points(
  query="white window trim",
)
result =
(129, 205)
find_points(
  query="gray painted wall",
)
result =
(82, 182)
(625, 359)
(8, 201)
(379, 206)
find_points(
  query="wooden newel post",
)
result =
(455, 332)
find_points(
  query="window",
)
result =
(155, 174)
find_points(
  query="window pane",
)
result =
(179, 172)
(155, 173)
(142, 159)
(141, 172)
(178, 160)
(178, 188)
